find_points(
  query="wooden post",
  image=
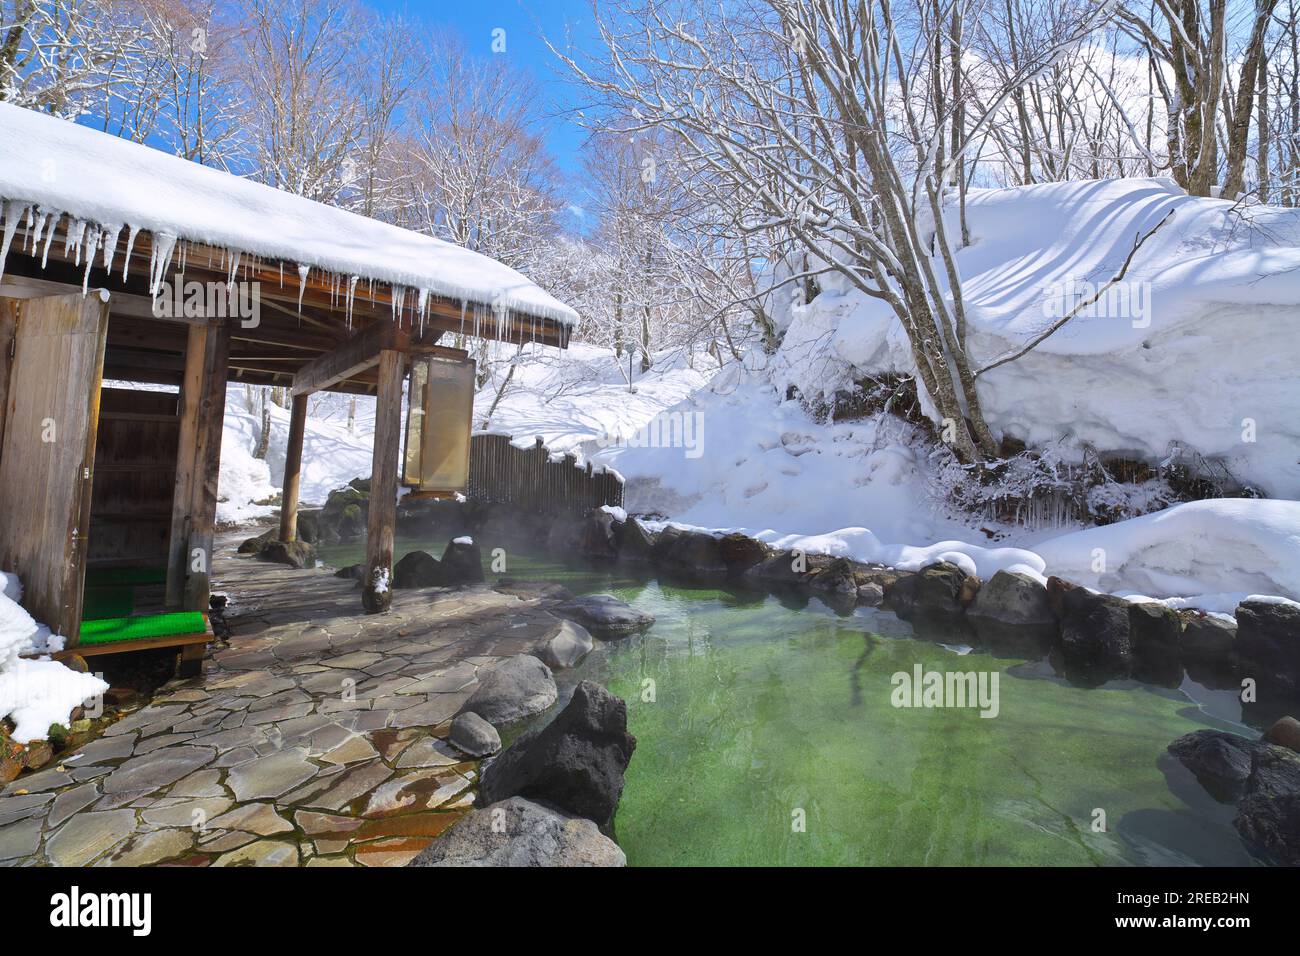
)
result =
(378, 592)
(293, 470)
(198, 464)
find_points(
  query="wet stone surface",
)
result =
(317, 737)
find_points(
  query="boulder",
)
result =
(12, 757)
(1094, 641)
(345, 513)
(871, 594)
(634, 542)
(575, 763)
(1207, 638)
(564, 537)
(605, 616)
(566, 647)
(1271, 826)
(474, 735)
(1285, 732)
(418, 569)
(256, 544)
(740, 552)
(596, 538)
(353, 572)
(518, 832)
(1221, 762)
(838, 577)
(935, 594)
(462, 562)
(1268, 646)
(1154, 635)
(297, 553)
(512, 689)
(787, 569)
(690, 553)
(1013, 599)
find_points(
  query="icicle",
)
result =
(302, 283)
(110, 246)
(11, 213)
(281, 273)
(35, 240)
(163, 245)
(132, 232)
(462, 317)
(72, 239)
(49, 238)
(234, 267)
(352, 291)
(93, 239)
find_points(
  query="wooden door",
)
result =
(47, 459)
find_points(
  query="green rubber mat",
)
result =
(113, 629)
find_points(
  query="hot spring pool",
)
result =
(766, 735)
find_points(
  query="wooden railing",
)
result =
(500, 473)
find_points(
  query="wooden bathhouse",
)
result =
(123, 269)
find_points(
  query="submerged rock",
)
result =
(635, 543)
(937, 593)
(606, 616)
(1011, 612)
(1208, 639)
(575, 763)
(570, 643)
(1095, 643)
(473, 735)
(518, 832)
(1220, 762)
(512, 689)
(689, 553)
(740, 552)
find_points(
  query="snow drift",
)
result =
(1198, 345)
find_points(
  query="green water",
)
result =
(766, 735)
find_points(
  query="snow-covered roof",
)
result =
(88, 175)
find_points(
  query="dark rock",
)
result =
(1011, 614)
(605, 616)
(1095, 642)
(934, 594)
(693, 554)
(838, 577)
(1220, 762)
(1268, 646)
(462, 562)
(1285, 732)
(635, 543)
(353, 572)
(871, 594)
(576, 763)
(1154, 633)
(740, 552)
(418, 569)
(512, 689)
(474, 735)
(518, 832)
(1208, 639)
(297, 553)
(787, 569)
(596, 538)
(1271, 826)
(565, 536)
(256, 544)
(533, 590)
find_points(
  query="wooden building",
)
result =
(121, 264)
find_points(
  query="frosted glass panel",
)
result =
(441, 408)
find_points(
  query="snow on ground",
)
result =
(1198, 344)
(35, 693)
(331, 457)
(579, 398)
(114, 184)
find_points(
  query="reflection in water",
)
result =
(768, 709)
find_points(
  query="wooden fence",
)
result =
(527, 477)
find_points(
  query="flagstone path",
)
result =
(315, 738)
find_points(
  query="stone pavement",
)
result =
(316, 738)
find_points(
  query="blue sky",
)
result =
(524, 23)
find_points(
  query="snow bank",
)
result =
(1197, 346)
(113, 183)
(1220, 551)
(35, 694)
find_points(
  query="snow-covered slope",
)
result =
(1198, 345)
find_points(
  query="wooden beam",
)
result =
(377, 594)
(186, 465)
(8, 325)
(293, 470)
(361, 352)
